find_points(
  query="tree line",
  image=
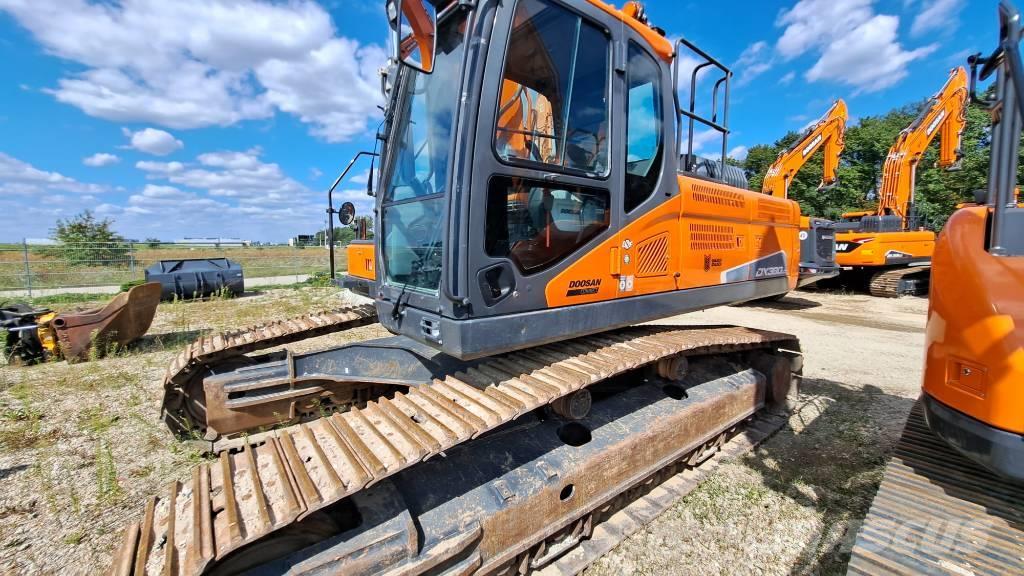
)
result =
(860, 170)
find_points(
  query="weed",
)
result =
(96, 421)
(25, 425)
(107, 486)
(74, 538)
(46, 484)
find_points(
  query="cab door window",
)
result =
(537, 224)
(644, 140)
(554, 103)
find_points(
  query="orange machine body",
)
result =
(696, 239)
(361, 260)
(699, 238)
(974, 360)
(881, 248)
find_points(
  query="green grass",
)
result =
(49, 270)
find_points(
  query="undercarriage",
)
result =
(496, 466)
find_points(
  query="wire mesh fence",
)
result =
(27, 266)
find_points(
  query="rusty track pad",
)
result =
(126, 318)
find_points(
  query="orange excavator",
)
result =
(880, 246)
(538, 201)
(952, 497)
(817, 235)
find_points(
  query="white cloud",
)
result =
(738, 153)
(196, 63)
(936, 15)
(101, 159)
(755, 60)
(812, 23)
(856, 46)
(869, 58)
(158, 168)
(788, 78)
(705, 137)
(232, 160)
(153, 141)
(21, 178)
(334, 88)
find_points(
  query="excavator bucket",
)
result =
(125, 319)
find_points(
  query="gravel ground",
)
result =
(82, 447)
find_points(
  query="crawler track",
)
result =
(184, 405)
(274, 479)
(938, 513)
(900, 282)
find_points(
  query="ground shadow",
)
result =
(834, 464)
(6, 473)
(789, 302)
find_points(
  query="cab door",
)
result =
(647, 258)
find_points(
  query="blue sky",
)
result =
(232, 117)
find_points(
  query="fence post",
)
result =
(131, 259)
(28, 267)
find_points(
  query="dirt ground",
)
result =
(82, 446)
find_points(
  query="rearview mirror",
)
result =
(413, 39)
(347, 214)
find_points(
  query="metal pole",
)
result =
(28, 268)
(131, 259)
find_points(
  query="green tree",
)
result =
(88, 241)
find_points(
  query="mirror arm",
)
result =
(330, 205)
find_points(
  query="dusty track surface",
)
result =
(82, 446)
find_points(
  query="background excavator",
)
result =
(817, 235)
(34, 335)
(537, 198)
(952, 497)
(878, 247)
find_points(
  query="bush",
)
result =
(86, 241)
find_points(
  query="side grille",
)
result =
(717, 196)
(712, 237)
(652, 257)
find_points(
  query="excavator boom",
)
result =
(829, 132)
(883, 249)
(945, 116)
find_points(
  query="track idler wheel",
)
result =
(782, 373)
(575, 406)
(674, 368)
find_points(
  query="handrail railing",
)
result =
(691, 114)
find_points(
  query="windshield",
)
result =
(414, 199)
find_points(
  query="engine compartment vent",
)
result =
(712, 237)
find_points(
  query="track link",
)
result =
(280, 477)
(900, 282)
(183, 405)
(938, 513)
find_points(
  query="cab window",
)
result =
(644, 145)
(554, 101)
(536, 224)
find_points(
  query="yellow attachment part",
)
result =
(47, 336)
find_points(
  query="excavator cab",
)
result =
(548, 201)
(974, 370)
